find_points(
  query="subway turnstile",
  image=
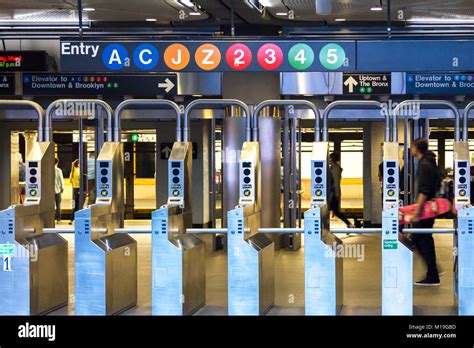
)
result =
(323, 269)
(463, 236)
(178, 259)
(105, 262)
(397, 259)
(251, 283)
(33, 279)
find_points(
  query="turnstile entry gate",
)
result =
(178, 259)
(33, 279)
(105, 262)
(250, 255)
(323, 271)
(397, 259)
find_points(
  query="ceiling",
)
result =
(281, 13)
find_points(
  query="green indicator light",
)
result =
(134, 137)
(116, 85)
(109, 85)
(369, 89)
(362, 90)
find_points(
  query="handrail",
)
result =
(146, 102)
(428, 230)
(308, 104)
(339, 103)
(49, 119)
(35, 106)
(221, 102)
(467, 109)
(427, 103)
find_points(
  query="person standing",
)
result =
(335, 175)
(75, 179)
(58, 189)
(428, 181)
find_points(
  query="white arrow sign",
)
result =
(168, 85)
(351, 82)
(166, 150)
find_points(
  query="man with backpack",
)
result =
(428, 182)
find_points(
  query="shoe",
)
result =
(428, 282)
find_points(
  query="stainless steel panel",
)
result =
(233, 136)
(203, 84)
(304, 83)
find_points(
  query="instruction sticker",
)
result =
(390, 244)
(7, 249)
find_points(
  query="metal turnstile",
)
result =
(105, 262)
(250, 255)
(35, 265)
(178, 259)
(397, 259)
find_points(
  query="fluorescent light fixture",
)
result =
(88, 9)
(267, 3)
(187, 3)
(45, 21)
(197, 95)
(429, 20)
(151, 19)
(282, 13)
(194, 13)
(339, 20)
(376, 8)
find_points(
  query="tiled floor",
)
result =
(362, 278)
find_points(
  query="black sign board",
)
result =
(367, 84)
(165, 150)
(7, 84)
(439, 83)
(97, 84)
(23, 61)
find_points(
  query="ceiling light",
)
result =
(194, 13)
(376, 8)
(88, 9)
(267, 3)
(282, 13)
(151, 19)
(340, 20)
(428, 20)
(188, 3)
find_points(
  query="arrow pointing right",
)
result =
(168, 85)
(351, 82)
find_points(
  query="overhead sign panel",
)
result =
(415, 55)
(7, 84)
(95, 84)
(358, 84)
(206, 56)
(451, 84)
(23, 61)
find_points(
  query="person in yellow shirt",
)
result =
(75, 180)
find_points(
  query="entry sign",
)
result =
(7, 84)
(165, 150)
(440, 83)
(367, 83)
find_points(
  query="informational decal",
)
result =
(440, 83)
(367, 83)
(95, 84)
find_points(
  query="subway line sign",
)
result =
(206, 56)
